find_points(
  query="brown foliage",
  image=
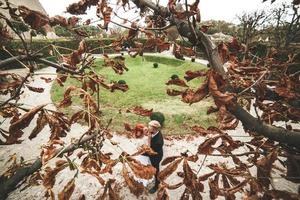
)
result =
(41, 122)
(190, 75)
(145, 149)
(34, 18)
(81, 6)
(134, 187)
(215, 81)
(162, 193)
(170, 169)
(190, 96)
(264, 167)
(140, 111)
(177, 82)
(24, 121)
(66, 193)
(140, 170)
(109, 191)
(104, 11)
(191, 182)
(169, 160)
(117, 63)
(49, 175)
(91, 166)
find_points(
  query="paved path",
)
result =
(164, 53)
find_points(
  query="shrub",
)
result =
(155, 65)
(121, 82)
(174, 76)
(193, 58)
(158, 116)
(164, 60)
(69, 43)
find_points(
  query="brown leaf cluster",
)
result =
(227, 144)
(104, 11)
(140, 111)
(66, 193)
(145, 149)
(190, 75)
(135, 187)
(140, 170)
(109, 191)
(80, 7)
(71, 60)
(18, 124)
(92, 167)
(35, 19)
(231, 184)
(50, 174)
(177, 82)
(170, 169)
(264, 167)
(117, 63)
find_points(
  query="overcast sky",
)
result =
(210, 9)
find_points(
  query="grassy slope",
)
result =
(147, 88)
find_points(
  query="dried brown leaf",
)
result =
(68, 190)
(171, 168)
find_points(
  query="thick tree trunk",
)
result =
(278, 134)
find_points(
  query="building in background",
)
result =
(36, 6)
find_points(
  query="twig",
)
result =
(18, 34)
(256, 82)
(17, 59)
(57, 66)
(17, 91)
(238, 154)
(189, 22)
(202, 164)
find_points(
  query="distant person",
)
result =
(156, 142)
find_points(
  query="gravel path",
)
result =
(86, 184)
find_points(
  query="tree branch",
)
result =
(37, 58)
(278, 134)
(8, 185)
(18, 58)
(17, 92)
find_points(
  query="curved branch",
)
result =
(17, 93)
(281, 135)
(278, 134)
(37, 58)
(18, 58)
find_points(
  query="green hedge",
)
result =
(164, 60)
(68, 43)
(36, 45)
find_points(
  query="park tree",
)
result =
(250, 26)
(267, 87)
(285, 24)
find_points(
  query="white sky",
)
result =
(210, 9)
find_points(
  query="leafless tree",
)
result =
(285, 26)
(250, 24)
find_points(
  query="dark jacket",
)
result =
(157, 143)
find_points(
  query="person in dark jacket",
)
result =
(156, 142)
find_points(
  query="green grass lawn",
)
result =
(147, 88)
